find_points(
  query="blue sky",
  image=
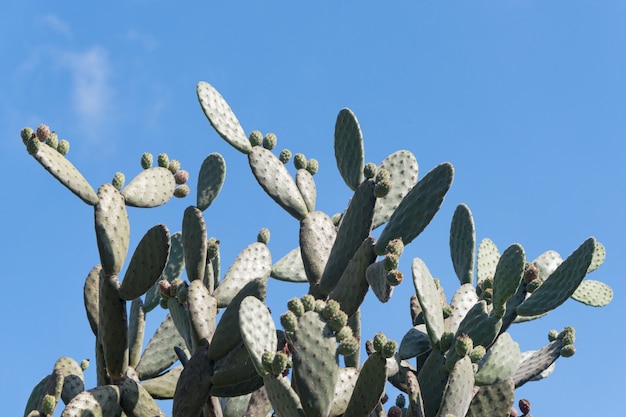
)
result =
(525, 98)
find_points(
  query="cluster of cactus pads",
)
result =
(456, 360)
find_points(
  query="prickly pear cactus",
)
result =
(219, 352)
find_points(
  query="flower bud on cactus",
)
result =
(182, 191)
(395, 247)
(48, 404)
(382, 188)
(269, 141)
(568, 351)
(320, 305)
(308, 301)
(53, 140)
(289, 321)
(382, 174)
(337, 321)
(446, 341)
(213, 248)
(348, 346)
(394, 277)
(532, 286)
(175, 285)
(391, 262)
(553, 335)
(64, 147)
(487, 295)
(163, 160)
(447, 311)
(369, 170)
(312, 166)
(267, 358)
(299, 161)
(463, 345)
(531, 272)
(567, 335)
(524, 406)
(165, 287)
(43, 132)
(26, 134)
(84, 364)
(181, 176)
(163, 302)
(263, 236)
(394, 411)
(255, 138)
(296, 306)
(32, 147)
(173, 166)
(331, 308)
(477, 353)
(400, 401)
(279, 364)
(336, 219)
(389, 349)
(513, 413)
(146, 160)
(344, 333)
(118, 180)
(182, 294)
(379, 341)
(284, 156)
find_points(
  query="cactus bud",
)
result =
(48, 404)
(84, 364)
(312, 166)
(308, 301)
(382, 188)
(26, 134)
(337, 321)
(568, 351)
(32, 147)
(181, 176)
(389, 349)
(513, 413)
(567, 335)
(182, 191)
(553, 335)
(382, 174)
(369, 170)
(394, 277)
(267, 358)
(463, 345)
(331, 308)
(446, 341)
(269, 141)
(394, 411)
(477, 353)
(320, 305)
(395, 247)
(391, 262)
(163, 160)
(182, 294)
(263, 236)
(213, 248)
(348, 346)
(289, 321)
(400, 401)
(165, 287)
(175, 284)
(524, 406)
(336, 219)
(279, 364)
(173, 166)
(299, 161)
(532, 286)
(344, 333)
(296, 306)
(284, 156)
(53, 140)
(255, 138)
(447, 311)
(379, 341)
(146, 160)
(43, 132)
(531, 272)
(64, 147)
(163, 302)
(118, 180)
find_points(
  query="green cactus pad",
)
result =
(112, 229)
(150, 188)
(507, 278)
(493, 400)
(403, 170)
(429, 299)
(147, 263)
(136, 329)
(593, 293)
(315, 368)
(194, 243)
(162, 387)
(101, 401)
(376, 277)
(533, 365)
(349, 151)
(222, 117)
(180, 316)
(415, 342)
(432, 380)
(257, 330)
(242, 388)
(227, 335)
(63, 170)
(487, 259)
(369, 387)
(418, 207)
(136, 401)
(284, 399)
(501, 360)
(355, 226)
(462, 301)
(113, 327)
(463, 244)
(159, 354)
(235, 368)
(202, 312)
(210, 180)
(290, 267)
(306, 185)
(91, 297)
(481, 326)
(237, 406)
(346, 380)
(254, 261)
(37, 395)
(73, 381)
(458, 393)
(274, 178)
(194, 384)
(317, 235)
(562, 283)
(352, 287)
(173, 269)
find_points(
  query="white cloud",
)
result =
(56, 24)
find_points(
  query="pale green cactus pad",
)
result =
(317, 235)
(112, 229)
(162, 387)
(501, 360)
(284, 399)
(369, 387)
(173, 269)
(349, 151)
(428, 296)
(458, 393)
(346, 380)
(194, 243)
(91, 297)
(306, 185)
(493, 400)
(257, 330)
(210, 180)
(507, 277)
(415, 342)
(202, 311)
(113, 328)
(290, 267)
(376, 277)
(487, 259)
(100, 401)
(463, 244)
(159, 354)
(593, 293)
(136, 331)
(152, 187)
(462, 301)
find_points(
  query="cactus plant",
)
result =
(239, 362)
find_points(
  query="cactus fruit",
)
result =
(237, 362)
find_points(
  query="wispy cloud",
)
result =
(56, 24)
(145, 41)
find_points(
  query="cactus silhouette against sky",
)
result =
(219, 352)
